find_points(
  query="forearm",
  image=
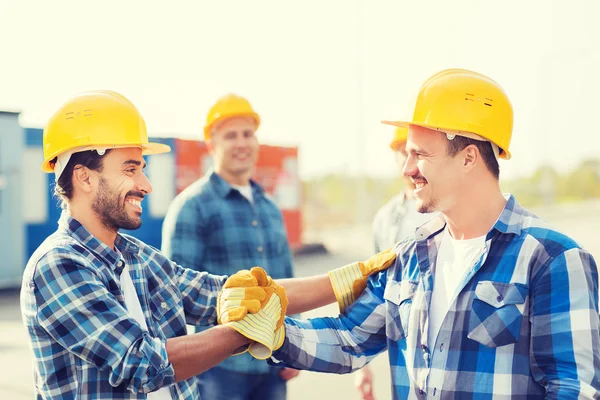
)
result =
(191, 355)
(339, 349)
(306, 294)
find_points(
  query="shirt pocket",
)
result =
(497, 313)
(398, 302)
(165, 304)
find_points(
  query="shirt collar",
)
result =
(76, 230)
(510, 221)
(223, 188)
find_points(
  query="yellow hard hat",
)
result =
(229, 106)
(400, 136)
(92, 120)
(462, 102)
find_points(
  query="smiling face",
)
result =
(436, 175)
(121, 188)
(234, 148)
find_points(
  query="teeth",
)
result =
(135, 202)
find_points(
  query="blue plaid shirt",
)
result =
(212, 227)
(85, 343)
(524, 324)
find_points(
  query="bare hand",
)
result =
(288, 373)
(363, 381)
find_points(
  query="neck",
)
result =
(242, 179)
(476, 211)
(90, 221)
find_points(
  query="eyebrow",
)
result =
(134, 162)
(417, 149)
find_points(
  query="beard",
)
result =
(111, 209)
(426, 207)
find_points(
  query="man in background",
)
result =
(395, 221)
(223, 222)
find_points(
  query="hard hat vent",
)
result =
(471, 97)
(72, 114)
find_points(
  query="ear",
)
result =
(83, 179)
(470, 156)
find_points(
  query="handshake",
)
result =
(253, 304)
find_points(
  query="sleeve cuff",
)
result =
(342, 280)
(164, 374)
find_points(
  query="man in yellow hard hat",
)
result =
(485, 300)
(106, 314)
(396, 220)
(226, 220)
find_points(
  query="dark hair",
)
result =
(485, 149)
(63, 189)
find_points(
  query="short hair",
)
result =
(485, 149)
(63, 189)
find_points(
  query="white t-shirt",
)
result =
(455, 258)
(246, 191)
(132, 303)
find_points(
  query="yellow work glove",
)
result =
(349, 281)
(260, 324)
(271, 288)
(240, 295)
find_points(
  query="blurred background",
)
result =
(322, 75)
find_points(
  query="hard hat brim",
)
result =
(155, 148)
(147, 149)
(504, 154)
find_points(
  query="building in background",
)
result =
(29, 212)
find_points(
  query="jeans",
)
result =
(221, 384)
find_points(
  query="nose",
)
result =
(240, 141)
(410, 166)
(143, 184)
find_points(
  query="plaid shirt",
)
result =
(212, 227)
(523, 325)
(85, 343)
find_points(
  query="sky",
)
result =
(321, 74)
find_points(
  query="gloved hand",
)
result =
(271, 288)
(262, 325)
(240, 295)
(349, 281)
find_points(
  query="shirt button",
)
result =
(259, 249)
(441, 346)
(421, 392)
(500, 298)
(120, 263)
(163, 304)
(254, 223)
(162, 366)
(424, 348)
